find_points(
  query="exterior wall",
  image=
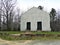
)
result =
(35, 15)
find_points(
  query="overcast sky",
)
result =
(47, 4)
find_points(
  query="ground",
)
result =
(30, 42)
(16, 35)
(22, 42)
(5, 39)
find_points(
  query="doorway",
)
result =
(29, 26)
(39, 26)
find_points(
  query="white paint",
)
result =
(35, 15)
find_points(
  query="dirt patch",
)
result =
(22, 42)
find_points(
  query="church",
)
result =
(35, 20)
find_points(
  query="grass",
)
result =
(46, 32)
(34, 32)
(6, 35)
(12, 32)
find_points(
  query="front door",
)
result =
(28, 25)
(39, 25)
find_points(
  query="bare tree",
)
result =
(0, 14)
(7, 10)
(17, 20)
(18, 16)
(0, 18)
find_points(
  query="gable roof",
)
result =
(35, 9)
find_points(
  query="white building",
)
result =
(35, 19)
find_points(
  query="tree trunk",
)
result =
(7, 21)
